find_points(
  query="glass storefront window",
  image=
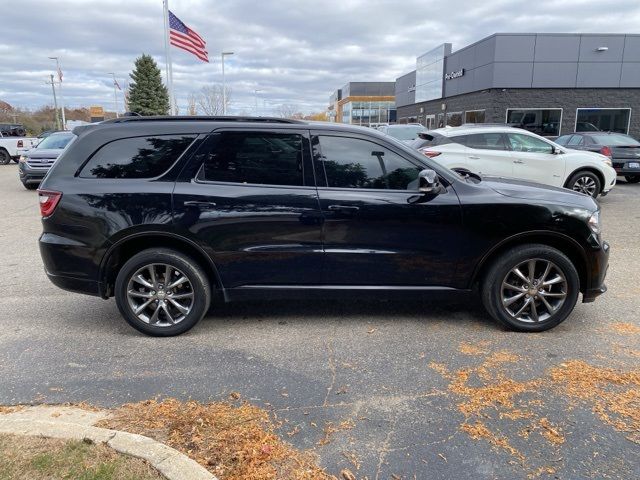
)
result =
(544, 122)
(474, 116)
(605, 119)
(366, 113)
(454, 119)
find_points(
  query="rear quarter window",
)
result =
(138, 157)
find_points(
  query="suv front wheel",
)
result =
(162, 292)
(531, 288)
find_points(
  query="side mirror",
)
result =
(428, 182)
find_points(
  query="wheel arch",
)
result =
(593, 170)
(563, 243)
(126, 247)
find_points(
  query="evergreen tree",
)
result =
(147, 94)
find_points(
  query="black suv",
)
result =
(168, 214)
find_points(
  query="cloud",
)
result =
(292, 51)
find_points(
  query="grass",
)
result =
(36, 458)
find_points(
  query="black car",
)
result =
(169, 214)
(623, 150)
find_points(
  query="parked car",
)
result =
(404, 133)
(516, 153)
(11, 147)
(623, 150)
(36, 162)
(169, 214)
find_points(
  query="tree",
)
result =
(210, 99)
(192, 108)
(318, 117)
(147, 94)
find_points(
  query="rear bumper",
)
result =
(622, 167)
(597, 273)
(69, 265)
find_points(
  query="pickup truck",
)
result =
(12, 147)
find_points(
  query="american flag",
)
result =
(115, 83)
(183, 37)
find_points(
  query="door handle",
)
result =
(343, 208)
(518, 161)
(196, 203)
(474, 157)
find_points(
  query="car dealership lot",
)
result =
(395, 388)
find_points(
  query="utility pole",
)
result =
(115, 93)
(55, 101)
(255, 94)
(64, 120)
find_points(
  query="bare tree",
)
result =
(210, 99)
(192, 107)
(286, 110)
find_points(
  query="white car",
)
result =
(515, 153)
(13, 147)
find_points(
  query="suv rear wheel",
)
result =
(162, 292)
(531, 288)
(5, 158)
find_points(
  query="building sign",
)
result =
(96, 113)
(456, 74)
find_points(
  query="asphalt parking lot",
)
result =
(386, 389)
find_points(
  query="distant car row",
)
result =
(587, 162)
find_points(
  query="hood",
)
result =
(538, 192)
(44, 152)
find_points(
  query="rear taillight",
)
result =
(20, 144)
(49, 200)
(606, 151)
(429, 153)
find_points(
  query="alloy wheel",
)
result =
(534, 290)
(586, 185)
(160, 295)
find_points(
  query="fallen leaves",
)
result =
(625, 328)
(233, 442)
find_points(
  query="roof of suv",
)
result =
(204, 124)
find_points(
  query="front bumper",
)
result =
(31, 175)
(599, 264)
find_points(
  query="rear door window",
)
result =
(265, 158)
(486, 141)
(138, 157)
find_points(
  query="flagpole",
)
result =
(167, 53)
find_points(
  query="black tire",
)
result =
(580, 181)
(632, 178)
(501, 273)
(197, 283)
(5, 158)
(31, 186)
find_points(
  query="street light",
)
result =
(224, 84)
(64, 120)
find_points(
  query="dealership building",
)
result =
(363, 103)
(551, 84)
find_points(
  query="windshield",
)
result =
(409, 132)
(56, 141)
(616, 139)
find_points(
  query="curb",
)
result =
(168, 461)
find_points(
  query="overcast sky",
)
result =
(294, 51)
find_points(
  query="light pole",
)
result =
(64, 120)
(255, 96)
(115, 93)
(224, 84)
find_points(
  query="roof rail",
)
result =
(486, 125)
(182, 118)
